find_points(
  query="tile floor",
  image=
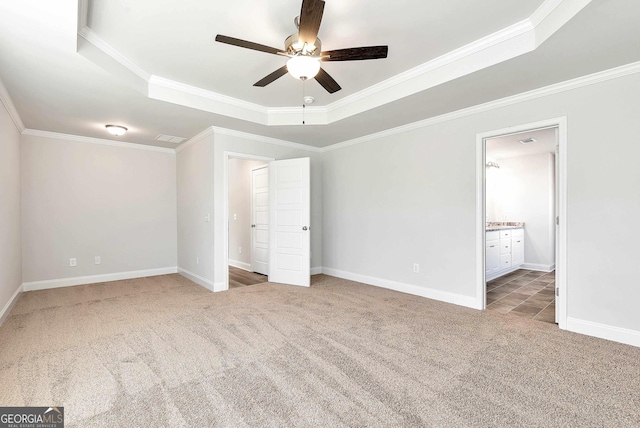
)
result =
(525, 293)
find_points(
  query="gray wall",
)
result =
(83, 200)
(410, 197)
(240, 205)
(195, 201)
(10, 240)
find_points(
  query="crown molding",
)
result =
(98, 42)
(267, 140)
(6, 100)
(163, 89)
(591, 79)
(517, 39)
(213, 130)
(193, 140)
(100, 141)
(405, 77)
(552, 15)
(83, 13)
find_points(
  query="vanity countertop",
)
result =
(491, 226)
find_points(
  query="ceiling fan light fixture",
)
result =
(116, 130)
(303, 67)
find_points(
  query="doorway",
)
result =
(520, 218)
(289, 211)
(242, 170)
(521, 196)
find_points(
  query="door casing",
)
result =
(561, 210)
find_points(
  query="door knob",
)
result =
(304, 227)
(253, 225)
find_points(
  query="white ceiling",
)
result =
(175, 40)
(64, 83)
(509, 146)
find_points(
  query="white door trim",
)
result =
(225, 203)
(561, 256)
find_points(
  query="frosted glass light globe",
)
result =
(303, 67)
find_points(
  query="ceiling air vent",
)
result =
(170, 139)
(528, 141)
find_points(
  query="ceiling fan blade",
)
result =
(327, 81)
(248, 45)
(355, 54)
(272, 77)
(310, 18)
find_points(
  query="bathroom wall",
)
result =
(523, 189)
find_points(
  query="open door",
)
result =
(289, 229)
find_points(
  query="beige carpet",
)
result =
(165, 352)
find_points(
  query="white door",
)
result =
(260, 220)
(289, 197)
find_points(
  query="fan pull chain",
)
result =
(303, 103)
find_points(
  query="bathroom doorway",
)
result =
(521, 199)
(520, 224)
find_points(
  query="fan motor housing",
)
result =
(294, 47)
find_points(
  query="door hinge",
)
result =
(557, 220)
(557, 292)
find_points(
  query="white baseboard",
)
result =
(10, 304)
(604, 331)
(93, 279)
(538, 267)
(209, 285)
(429, 293)
(246, 266)
(502, 273)
(240, 265)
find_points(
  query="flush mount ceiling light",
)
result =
(303, 67)
(116, 130)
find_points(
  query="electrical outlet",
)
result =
(97, 260)
(235, 216)
(73, 262)
(416, 268)
(239, 250)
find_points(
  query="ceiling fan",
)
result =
(304, 50)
